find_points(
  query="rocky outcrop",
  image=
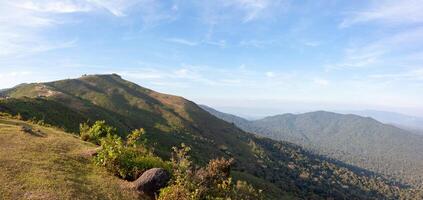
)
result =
(151, 181)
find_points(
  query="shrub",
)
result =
(97, 131)
(210, 182)
(175, 191)
(127, 160)
(136, 137)
(114, 156)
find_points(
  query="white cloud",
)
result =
(311, 43)
(9, 79)
(256, 43)
(219, 43)
(21, 31)
(270, 74)
(182, 41)
(415, 74)
(388, 12)
(246, 11)
(64, 6)
(25, 23)
(118, 7)
(200, 76)
(14, 74)
(321, 82)
(252, 8)
(381, 51)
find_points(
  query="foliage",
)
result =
(210, 182)
(97, 131)
(126, 160)
(136, 137)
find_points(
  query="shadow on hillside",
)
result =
(339, 180)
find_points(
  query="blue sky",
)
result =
(251, 57)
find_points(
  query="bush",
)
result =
(210, 182)
(127, 160)
(175, 191)
(97, 131)
(136, 138)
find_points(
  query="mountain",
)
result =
(283, 170)
(356, 140)
(402, 121)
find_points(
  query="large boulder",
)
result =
(151, 181)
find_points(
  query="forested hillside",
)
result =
(281, 169)
(356, 140)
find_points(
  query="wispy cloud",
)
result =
(22, 26)
(9, 79)
(25, 23)
(321, 82)
(387, 12)
(378, 52)
(194, 76)
(415, 74)
(252, 8)
(256, 43)
(182, 41)
(270, 74)
(54, 6)
(311, 43)
(245, 11)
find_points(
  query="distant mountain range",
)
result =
(360, 141)
(408, 122)
(284, 170)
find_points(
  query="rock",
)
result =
(26, 129)
(151, 181)
(91, 152)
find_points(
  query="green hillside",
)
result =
(356, 140)
(282, 170)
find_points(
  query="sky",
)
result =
(249, 57)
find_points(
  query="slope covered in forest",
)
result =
(356, 140)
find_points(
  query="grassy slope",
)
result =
(50, 166)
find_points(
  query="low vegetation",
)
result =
(210, 182)
(127, 159)
(130, 158)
